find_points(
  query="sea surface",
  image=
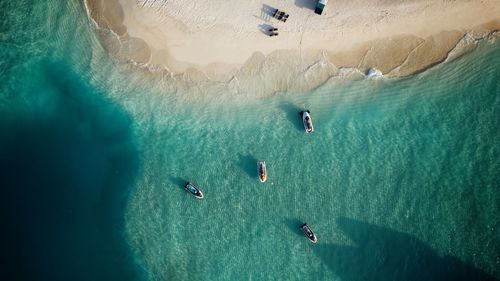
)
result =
(399, 181)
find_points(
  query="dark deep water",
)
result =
(68, 154)
(68, 161)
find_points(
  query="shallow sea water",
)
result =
(399, 180)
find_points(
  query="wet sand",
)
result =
(214, 41)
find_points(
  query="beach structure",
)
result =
(320, 6)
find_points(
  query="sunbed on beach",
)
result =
(280, 15)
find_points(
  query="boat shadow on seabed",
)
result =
(247, 163)
(292, 114)
(384, 254)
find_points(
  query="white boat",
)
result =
(261, 167)
(195, 191)
(307, 120)
(308, 232)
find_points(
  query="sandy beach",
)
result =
(220, 41)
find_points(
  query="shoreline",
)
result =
(159, 37)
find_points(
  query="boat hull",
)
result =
(193, 190)
(262, 171)
(309, 233)
(307, 121)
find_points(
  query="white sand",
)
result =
(219, 37)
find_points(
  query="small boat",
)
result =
(307, 120)
(261, 167)
(195, 191)
(308, 232)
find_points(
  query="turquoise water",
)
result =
(399, 180)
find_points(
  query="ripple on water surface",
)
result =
(388, 181)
